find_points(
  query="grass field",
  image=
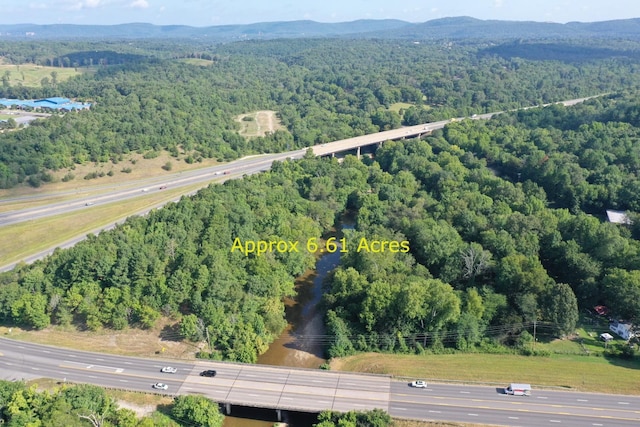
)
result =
(258, 123)
(399, 106)
(196, 61)
(31, 75)
(584, 373)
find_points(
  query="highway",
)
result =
(240, 167)
(244, 166)
(316, 390)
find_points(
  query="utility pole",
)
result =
(534, 334)
(208, 339)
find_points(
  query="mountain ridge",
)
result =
(443, 28)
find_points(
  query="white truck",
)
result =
(518, 389)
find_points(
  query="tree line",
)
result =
(488, 255)
(323, 90)
(86, 405)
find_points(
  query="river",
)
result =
(301, 344)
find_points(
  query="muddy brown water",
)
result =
(301, 344)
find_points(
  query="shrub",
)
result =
(68, 177)
(150, 155)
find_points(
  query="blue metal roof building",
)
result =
(55, 103)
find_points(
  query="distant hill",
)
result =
(445, 28)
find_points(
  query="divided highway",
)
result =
(311, 390)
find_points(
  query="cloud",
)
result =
(86, 4)
(139, 4)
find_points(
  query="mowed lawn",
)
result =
(31, 75)
(583, 373)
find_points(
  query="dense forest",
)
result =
(499, 237)
(323, 90)
(86, 405)
(502, 218)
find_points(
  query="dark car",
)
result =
(208, 373)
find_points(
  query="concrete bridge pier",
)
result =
(358, 152)
(227, 408)
(279, 414)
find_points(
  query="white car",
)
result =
(419, 384)
(168, 370)
(160, 386)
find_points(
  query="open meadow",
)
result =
(32, 75)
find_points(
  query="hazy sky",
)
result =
(201, 13)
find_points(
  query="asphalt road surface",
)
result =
(315, 390)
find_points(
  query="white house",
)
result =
(618, 217)
(624, 330)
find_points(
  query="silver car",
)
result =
(168, 370)
(160, 386)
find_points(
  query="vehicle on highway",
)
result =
(89, 204)
(227, 172)
(418, 384)
(160, 386)
(163, 187)
(208, 373)
(168, 370)
(518, 389)
(144, 190)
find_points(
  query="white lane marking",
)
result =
(287, 398)
(46, 351)
(128, 363)
(623, 403)
(250, 375)
(582, 400)
(124, 381)
(20, 346)
(92, 376)
(435, 412)
(473, 415)
(72, 355)
(465, 392)
(541, 397)
(317, 381)
(514, 418)
(35, 369)
(595, 424)
(399, 409)
(254, 395)
(100, 360)
(555, 421)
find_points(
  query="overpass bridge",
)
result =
(312, 390)
(357, 142)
